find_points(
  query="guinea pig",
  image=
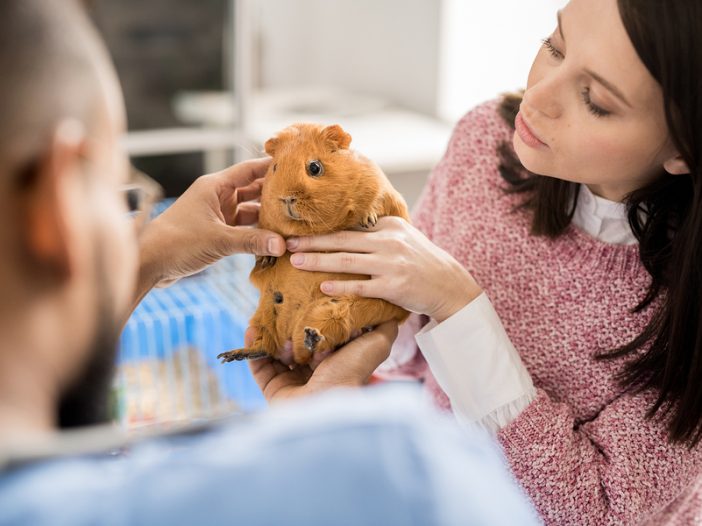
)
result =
(315, 185)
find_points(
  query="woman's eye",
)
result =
(553, 50)
(315, 168)
(596, 110)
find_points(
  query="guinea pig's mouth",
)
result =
(291, 212)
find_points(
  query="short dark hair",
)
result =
(48, 51)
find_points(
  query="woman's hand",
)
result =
(212, 219)
(349, 366)
(405, 267)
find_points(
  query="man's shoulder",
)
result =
(371, 456)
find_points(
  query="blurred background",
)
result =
(208, 82)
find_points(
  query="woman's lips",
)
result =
(527, 136)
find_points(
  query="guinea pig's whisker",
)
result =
(320, 219)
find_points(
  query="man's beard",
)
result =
(86, 401)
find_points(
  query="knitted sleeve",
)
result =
(618, 468)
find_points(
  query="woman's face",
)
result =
(592, 113)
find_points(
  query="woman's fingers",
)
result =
(339, 241)
(361, 288)
(387, 229)
(344, 262)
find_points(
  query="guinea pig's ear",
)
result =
(336, 137)
(271, 145)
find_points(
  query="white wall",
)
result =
(487, 48)
(380, 47)
(440, 57)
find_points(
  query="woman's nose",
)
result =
(544, 97)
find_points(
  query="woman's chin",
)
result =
(531, 159)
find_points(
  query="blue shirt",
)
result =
(349, 457)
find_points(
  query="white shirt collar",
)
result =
(603, 219)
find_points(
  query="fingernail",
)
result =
(327, 287)
(292, 243)
(297, 259)
(274, 246)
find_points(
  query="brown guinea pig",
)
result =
(315, 185)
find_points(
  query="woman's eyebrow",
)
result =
(611, 87)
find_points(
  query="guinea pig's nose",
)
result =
(288, 200)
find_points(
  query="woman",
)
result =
(586, 359)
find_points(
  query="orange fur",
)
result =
(351, 192)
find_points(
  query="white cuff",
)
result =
(475, 363)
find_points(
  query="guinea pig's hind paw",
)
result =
(370, 220)
(312, 339)
(239, 355)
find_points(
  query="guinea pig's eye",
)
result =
(315, 168)
(275, 167)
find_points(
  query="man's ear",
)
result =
(336, 137)
(676, 166)
(50, 201)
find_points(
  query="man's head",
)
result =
(69, 254)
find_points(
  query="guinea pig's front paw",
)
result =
(238, 355)
(370, 220)
(264, 262)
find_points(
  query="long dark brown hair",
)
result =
(665, 216)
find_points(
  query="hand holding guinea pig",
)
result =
(315, 185)
(407, 269)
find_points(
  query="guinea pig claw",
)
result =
(239, 355)
(264, 262)
(370, 221)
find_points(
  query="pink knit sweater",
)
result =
(583, 449)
